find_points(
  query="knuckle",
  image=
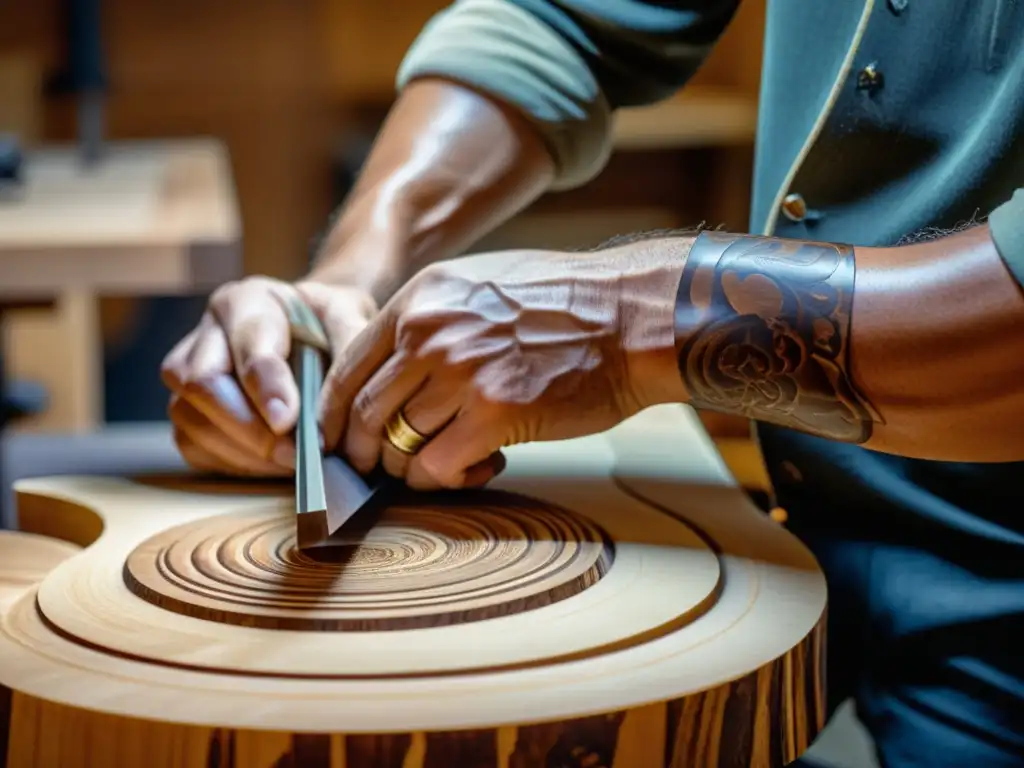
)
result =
(486, 405)
(261, 369)
(223, 296)
(227, 294)
(366, 412)
(172, 374)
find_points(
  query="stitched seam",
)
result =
(823, 115)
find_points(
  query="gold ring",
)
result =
(401, 435)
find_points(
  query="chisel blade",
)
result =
(328, 491)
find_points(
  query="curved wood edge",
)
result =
(764, 719)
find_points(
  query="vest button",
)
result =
(870, 79)
(794, 207)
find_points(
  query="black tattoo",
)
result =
(762, 331)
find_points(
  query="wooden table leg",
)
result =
(60, 348)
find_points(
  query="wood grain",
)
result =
(612, 602)
(501, 554)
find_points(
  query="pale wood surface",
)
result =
(152, 217)
(689, 632)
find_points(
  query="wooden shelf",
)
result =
(697, 117)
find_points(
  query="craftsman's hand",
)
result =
(501, 348)
(234, 400)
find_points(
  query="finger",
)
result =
(469, 439)
(352, 368)
(477, 476)
(259, 335)
(201, 372)
(218, 448)
(343, 318)
(196, 457)
(483, 472)
(210, 354)
(221, 400)
(343, 314)
(383, 394)
(199, 459)
(427, 411)
(174, 370)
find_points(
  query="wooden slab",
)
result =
(612, 601)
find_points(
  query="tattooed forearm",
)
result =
(762, 331)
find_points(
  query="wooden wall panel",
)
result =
(251, 72)
(365, 42)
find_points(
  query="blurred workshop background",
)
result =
(152, 149)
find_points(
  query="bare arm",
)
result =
(915, 350)
(938, 347)
(501, 100)
(449, 165)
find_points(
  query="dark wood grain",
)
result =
(221, 753)
(762, 720)
(6, 696)
(584, 743)
(466, 749)
(765, 719)
(309, 750)
(377, 751)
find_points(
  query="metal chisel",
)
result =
(328, 491)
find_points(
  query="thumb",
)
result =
(259, 336)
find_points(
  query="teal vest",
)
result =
(881, 118)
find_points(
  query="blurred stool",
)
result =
(20, 399)
(11, 164)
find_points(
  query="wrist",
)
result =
(651, 271)
(366, 246)
(763, 328)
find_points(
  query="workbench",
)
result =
(152, 218)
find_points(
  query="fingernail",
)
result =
(284, 455)
(277, 415)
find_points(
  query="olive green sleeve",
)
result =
(568, 64)
(1007, 227)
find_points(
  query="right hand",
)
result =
(234, 400)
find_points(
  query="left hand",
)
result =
(487, 351)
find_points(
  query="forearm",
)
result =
(917, 350)
(449, 165)
(938, 348)
(454, 164)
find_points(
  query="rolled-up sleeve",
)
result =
(568, 64)
(1006, 223)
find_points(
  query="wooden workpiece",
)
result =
(611, 601)
(152, 218)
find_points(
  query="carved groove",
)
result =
(425, 566)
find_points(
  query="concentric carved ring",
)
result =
(474, 557)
